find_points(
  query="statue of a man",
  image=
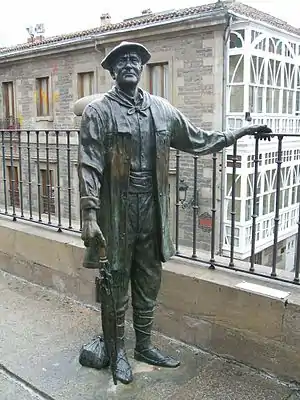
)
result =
(125, 139)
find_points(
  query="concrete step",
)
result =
(42, 332)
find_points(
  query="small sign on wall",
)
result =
(205, 222)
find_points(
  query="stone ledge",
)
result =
(196, 305)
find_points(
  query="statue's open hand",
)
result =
(91, 233)
(261, 132)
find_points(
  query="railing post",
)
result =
(254, 207)
(177, 203)
(277, 206)
(13, 176)
(21, 174)
(233, 212)
(4, 172)
(38, 174)
(48, 177)
(29, 175)
(195, 206)
(58, 180)
(69, 180)
(297, 264)
(213, 212)
(80, 211)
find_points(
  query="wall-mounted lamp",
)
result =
(183, 187)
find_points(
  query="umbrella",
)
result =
(109, 312)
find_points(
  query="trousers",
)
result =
(142, 267)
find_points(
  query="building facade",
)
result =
(215, 63)
(263, 76)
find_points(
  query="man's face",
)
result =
(127, 69)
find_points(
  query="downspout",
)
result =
(226, 36)
(97, 68)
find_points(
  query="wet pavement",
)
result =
(41, 334)
(9, 390)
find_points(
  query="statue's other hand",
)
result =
(91, 233)
(262, 132)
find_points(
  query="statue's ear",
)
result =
(112, 74)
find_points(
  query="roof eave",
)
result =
(263, 23)
(204, 19)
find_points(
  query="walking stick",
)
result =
(109, 305)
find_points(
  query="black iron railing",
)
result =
(39, 167)
(39, 184)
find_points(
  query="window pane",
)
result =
(236, 68)
(238, 210)
(257, 70)
(298, 102)
(237, 185)
(166, 81)
(235, 40)
(272, 105)
(156, 81)
(48, 191)
(8, 103)
(250, 185)
(269, 99)
(13, 176)
(266, 204)
(274, 73)
(276, 100)
(256, 99)
(159, 80)
(42, 97)
(237, 98)
(85, 84)
(272, 202)
(286, 197)
(248, 209)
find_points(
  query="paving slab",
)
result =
(41, 335)
(12, 391)
(225, 380)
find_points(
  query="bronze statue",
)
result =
(123, 170)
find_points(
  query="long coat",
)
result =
(105, 158)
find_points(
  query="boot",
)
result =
(123, 370)
(144, 351)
